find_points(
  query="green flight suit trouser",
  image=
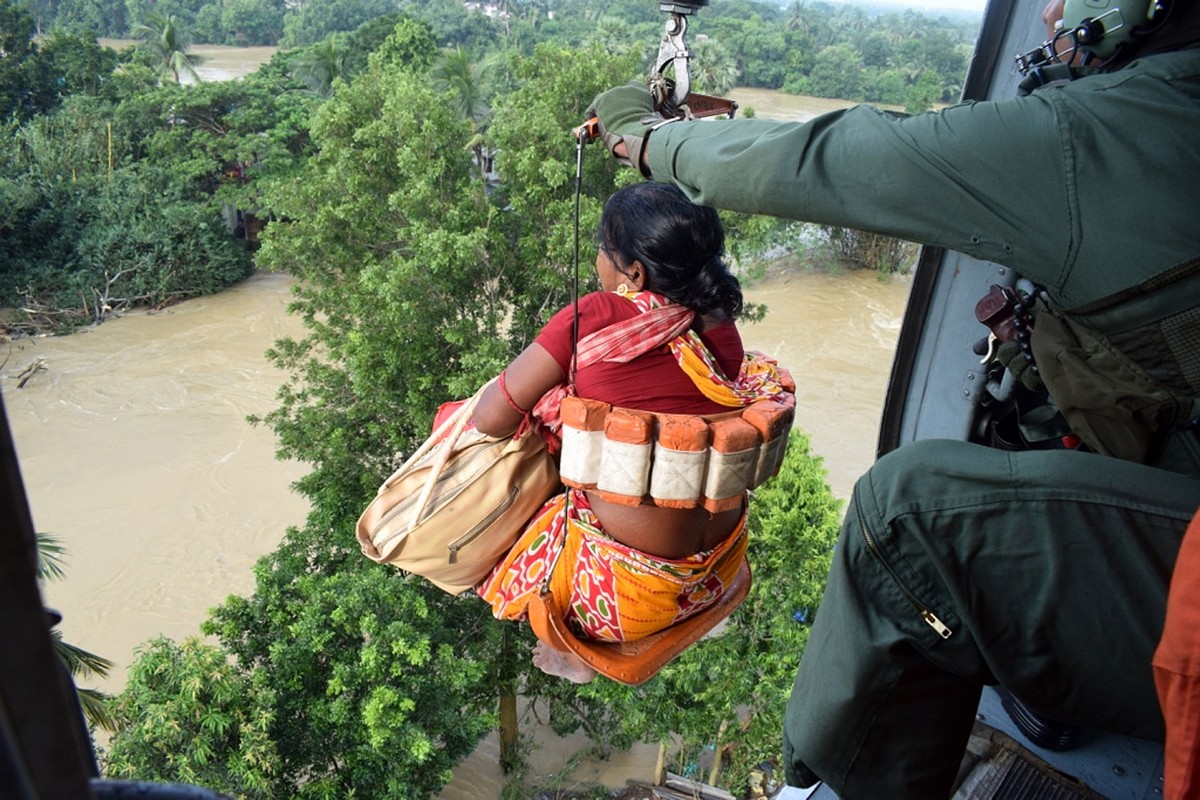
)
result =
(960, 565)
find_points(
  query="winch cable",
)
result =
(581, 142)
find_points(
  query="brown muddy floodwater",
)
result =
(136, 455)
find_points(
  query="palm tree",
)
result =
(506, 12)
(167, 41)
(470, 82)
(714, 69)
(470, 85)
(318, 66)
(797, 17)
(79, 662)
(613, 35)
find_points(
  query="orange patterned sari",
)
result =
(613, 592)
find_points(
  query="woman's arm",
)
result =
(527, 378)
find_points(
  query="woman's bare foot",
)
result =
(562, 665)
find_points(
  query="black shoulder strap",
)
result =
(1051, 73)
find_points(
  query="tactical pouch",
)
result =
(1126, 369)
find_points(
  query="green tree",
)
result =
(80, 65)
(97, 17)
(923, 92)
(612, 34)
(404, 235)
(864, 250)
(366, 39)
(25, 80)
(936, 49)
(379, 685)
(165, 41)
(470, 85)
(715, 69)
(754, 36)
(472, 30)
(316, 19)
(128, 202)
(82, 251)
(837, 73)
(319, 66)
(138, 12)
(888, 86)
(188, 715)
(252, 22)
(876, 49)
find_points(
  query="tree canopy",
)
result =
(753, 42)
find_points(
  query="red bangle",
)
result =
(508, 397)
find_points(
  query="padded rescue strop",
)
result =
(673, 460)
(634, 663)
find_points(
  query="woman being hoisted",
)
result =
(622, 571)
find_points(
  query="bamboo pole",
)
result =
(715, 771)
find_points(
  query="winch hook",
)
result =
(672, 94)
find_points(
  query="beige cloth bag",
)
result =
(458, 503)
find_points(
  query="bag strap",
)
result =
(446, 437)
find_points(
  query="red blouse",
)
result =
(651, 382)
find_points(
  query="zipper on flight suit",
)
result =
(930, 618)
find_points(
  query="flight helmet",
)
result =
(1103, 26)
(1098, 28)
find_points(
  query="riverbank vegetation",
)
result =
(119, 187)
(424, 195)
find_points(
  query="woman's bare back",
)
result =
(664, 532)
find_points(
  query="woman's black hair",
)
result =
(681, 245)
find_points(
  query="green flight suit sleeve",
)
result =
(989, 179)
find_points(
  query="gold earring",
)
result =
(623, 289)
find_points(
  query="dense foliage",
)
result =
(118, 187)
(130, 192)
(821, 48)
(188, 715)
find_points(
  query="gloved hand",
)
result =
(626, 115)
(1023, 369)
